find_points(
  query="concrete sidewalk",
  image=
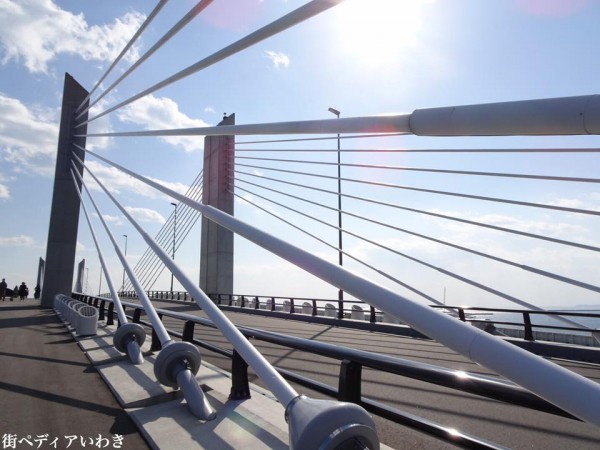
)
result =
(50, 394)
(61, 391)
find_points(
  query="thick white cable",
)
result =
(172, 32)
(157, 324)
(278, 386)
(546, 117)
(294, 18)
(137, 34)
(565, 389)
(111, 286)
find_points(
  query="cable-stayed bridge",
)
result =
(378, 208)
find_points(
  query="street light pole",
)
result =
(174, 236)
(123, 285)
(339, 177)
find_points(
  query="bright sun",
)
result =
(375, 31)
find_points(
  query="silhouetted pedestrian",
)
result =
(23, 291)
(3, 287)
(15, 292)
(36, 291)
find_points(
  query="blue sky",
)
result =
(363, 58)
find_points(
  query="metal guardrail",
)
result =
(527, 324)
(318, 308)
(351, 363)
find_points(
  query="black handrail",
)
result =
(253, 301)
(491, 387)
(352, 361)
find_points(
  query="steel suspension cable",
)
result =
(407, 150)
(434, 191)
(149, 265)
(424, 263)
(297, 16)
(197, 9)
(344, 252)
(535, 270)
(429, 213)
(489, 351)
(442, 171)
(148, 308)
(117, 300)
(194, 191)
(137, 34)
(189, 218)
(280, 388)
(330, 138)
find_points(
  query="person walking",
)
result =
(36, 291)
(23, 291)
(3, 287)
(15, 292)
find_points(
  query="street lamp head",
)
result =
(334, 111)
(174, 204)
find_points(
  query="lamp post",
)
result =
(174, 236)
(123, 285)
(87, 273)
(339, 177)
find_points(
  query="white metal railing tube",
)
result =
(553, 116)
(580, 399)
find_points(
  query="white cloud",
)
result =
(17, 241)
(145, 214)
(279, 59)
(119, 182)
(209, 109)
(163, 113)
(544, 227)
(36, 31)
(28, 136)
(4, 192)
(110, 219)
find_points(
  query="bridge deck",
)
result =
(495, 421)
(48, 387)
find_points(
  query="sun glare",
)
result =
(375, 31)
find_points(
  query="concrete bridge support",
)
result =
(64, 215)
(216, 247)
